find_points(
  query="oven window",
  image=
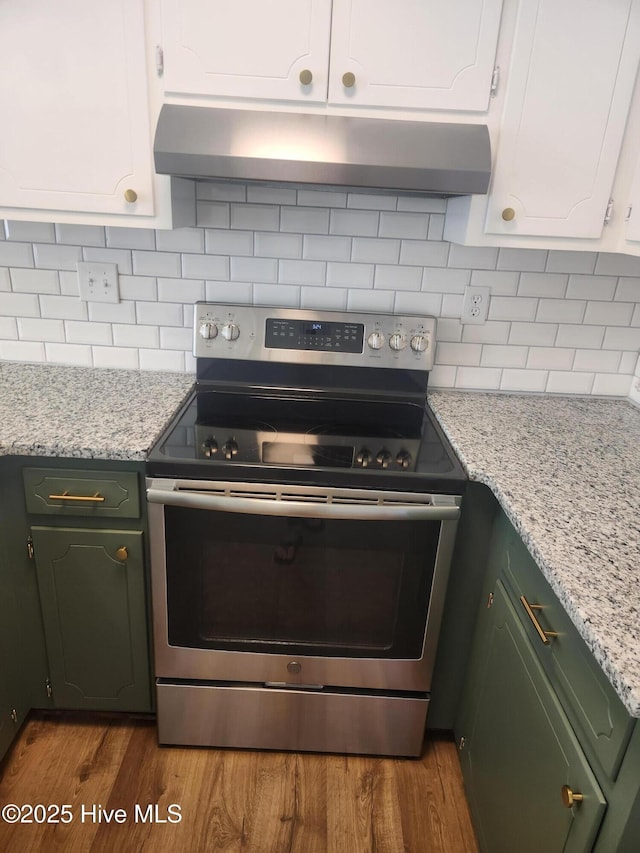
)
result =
(293, 585)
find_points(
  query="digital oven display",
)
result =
(314, 335)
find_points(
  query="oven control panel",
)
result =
(313, 337)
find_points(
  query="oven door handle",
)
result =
(303, 509)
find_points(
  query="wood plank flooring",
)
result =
(229, 800)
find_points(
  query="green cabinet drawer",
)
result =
(589, 700)
(75, 492)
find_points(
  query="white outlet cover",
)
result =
(475, 304)
(98, 282)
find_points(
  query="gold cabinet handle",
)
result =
(569, 797)
(122, 554)
(348, 80)
(529, 608)
(306, 77)
(508, 214)
(130, 196)
(65, 496)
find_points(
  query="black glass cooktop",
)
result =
(307, 437)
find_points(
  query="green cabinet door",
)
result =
(519, 749)
(92, 596)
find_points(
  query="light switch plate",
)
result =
(98, 282)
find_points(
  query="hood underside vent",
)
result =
(429, 158)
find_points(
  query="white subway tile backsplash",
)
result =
(77, 354)
(349, 275)
(373, 251)
(423, 253)
(522, 260)
(80, 235)
(542, 284)
(392, 277)
(252, 269)
(34, 281)
(304, 220)
(162, 263)
(137, 335)
(30, 232)
(609, 313)
(550, 358)
(472, 257)
(560, 310)
(410, 226)
(193, 266)
(478, 377)
(121, 257)
(512, 308)
(354, 223)
(37, 329)
(180, 240)
(271, 245)
(220, 241)
(591, 287)
(55, 257)
(131, 238)
(560, 322)
(16, 254)
(212, 214)
(19, 305)
(302, 272)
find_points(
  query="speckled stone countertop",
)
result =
(566, 470)
(81, 412)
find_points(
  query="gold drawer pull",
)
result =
(529, 608)
(306, 77)
(569, 797)
(122, 554)
(65, 496)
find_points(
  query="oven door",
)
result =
(301, 586)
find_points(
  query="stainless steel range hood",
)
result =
(249, 145)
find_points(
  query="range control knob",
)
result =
(383, 458)
(376, 340)
(230, 331)
(363, 458)
(210, 447)
(419, 343)
(208, 331)
(397, 341)
(229, 449)
(404, 459)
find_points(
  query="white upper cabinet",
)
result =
(572, 74)
(422, 54)
(74, 106)
(246, 48)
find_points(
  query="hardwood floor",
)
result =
(228, 800)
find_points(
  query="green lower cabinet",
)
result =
(92, 595)
(519, 749)
(8, 723)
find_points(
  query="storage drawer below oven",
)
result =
(253, 717)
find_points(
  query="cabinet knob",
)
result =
(508, 214)
(306, 77)
(130, 196)
(348, 80)
(122, 553)
(569, 797)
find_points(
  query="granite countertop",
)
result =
(82, 412)
(566, 470)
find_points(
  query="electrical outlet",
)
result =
(475, 305)
(98, 282)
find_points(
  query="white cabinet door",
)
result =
(569, 89)
(632, 221)
(424, 54)
(246, 48)
(73, 101)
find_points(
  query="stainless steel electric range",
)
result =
(302, 509)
